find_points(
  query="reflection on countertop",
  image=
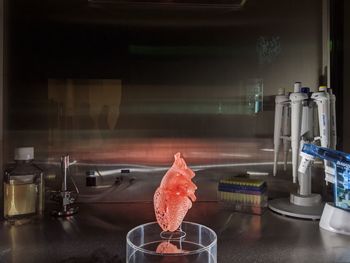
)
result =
(97, 234)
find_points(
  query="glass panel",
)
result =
(112, 86)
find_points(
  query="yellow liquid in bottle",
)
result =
(20, 199)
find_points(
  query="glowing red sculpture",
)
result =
(175, 195)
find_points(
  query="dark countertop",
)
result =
(97, 234)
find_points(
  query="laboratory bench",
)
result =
(97, 233)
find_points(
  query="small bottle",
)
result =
(91, 178)
(23, 187)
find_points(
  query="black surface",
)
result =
(337, 62)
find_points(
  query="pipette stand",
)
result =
(304, 204)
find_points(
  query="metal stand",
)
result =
(66, 201)
(71, 211)
(284, 206)
(65, 197)
(304, 204)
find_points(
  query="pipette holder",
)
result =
(304, 203)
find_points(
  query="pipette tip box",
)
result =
(243, 194)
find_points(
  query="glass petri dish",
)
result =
(190, 243)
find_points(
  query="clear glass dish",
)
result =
(193, 243)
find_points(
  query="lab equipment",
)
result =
(65, 197)
(335, 217)
(23, 187)
(303, 104)
(192, 242)
(91, 178)
(281, 118)
(296, 102)
(321, 98)
(243, 194)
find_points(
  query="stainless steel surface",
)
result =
(99, 231)
(107, 214)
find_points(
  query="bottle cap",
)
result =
(24, 154)
(297, 86)
(322, 88)
(305, 90)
